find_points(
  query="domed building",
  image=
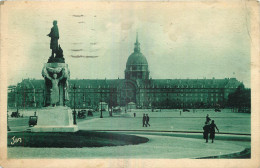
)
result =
(136, 65)
(136, 90)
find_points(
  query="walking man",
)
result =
(212, 130)
(147, 120)
(144, 120)
(206, 131)
(207, 119)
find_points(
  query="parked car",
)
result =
(217, 110)
(90, 113)
(15, 114)
(32, 121)
(186, 110)
(117, 109)
(82, 113)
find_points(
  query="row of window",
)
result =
(183, 90)
(193, 99)
(183, 94)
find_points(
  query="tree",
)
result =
(240, 99)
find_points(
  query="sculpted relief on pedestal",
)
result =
(56, 80)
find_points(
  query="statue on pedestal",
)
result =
(56, 72)
(54, 35)
(55, 117)
(54, 45)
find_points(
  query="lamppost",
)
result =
(16, 99)
(110, 101)
(74, 112)
(167, 101)
(101, 110)
(43, 98)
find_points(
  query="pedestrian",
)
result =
(206, 131)
(180, 113)
(134, 114)
(144, 120)
(147, 120)
(212, 130)
(207, 118)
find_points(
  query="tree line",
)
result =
(240, 100)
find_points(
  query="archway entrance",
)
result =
(127, 94)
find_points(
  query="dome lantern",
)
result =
(137, 44)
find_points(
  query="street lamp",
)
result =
(101, 110)
(43, 98)
(74, 112)
(110, 101)
(16, 99)
(167, 101)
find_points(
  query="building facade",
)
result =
(137, 88)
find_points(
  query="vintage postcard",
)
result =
(129, 84)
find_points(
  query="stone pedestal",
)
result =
(55, 119)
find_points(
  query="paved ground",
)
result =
(160, 145)
(166, 120)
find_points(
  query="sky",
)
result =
(179, 40)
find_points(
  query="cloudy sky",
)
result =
(179, 40)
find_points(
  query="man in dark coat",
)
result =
(206, 131)
(54, 35)
(207, 119)
(212, 130)
(144, 120)
(147, 120)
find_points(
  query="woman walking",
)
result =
(212, 130)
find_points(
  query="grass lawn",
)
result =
(72, 140)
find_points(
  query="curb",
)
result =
(227, 133)
(245, 154)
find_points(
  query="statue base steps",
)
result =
(55, 119)
(54, 129)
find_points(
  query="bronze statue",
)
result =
(54, 35)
